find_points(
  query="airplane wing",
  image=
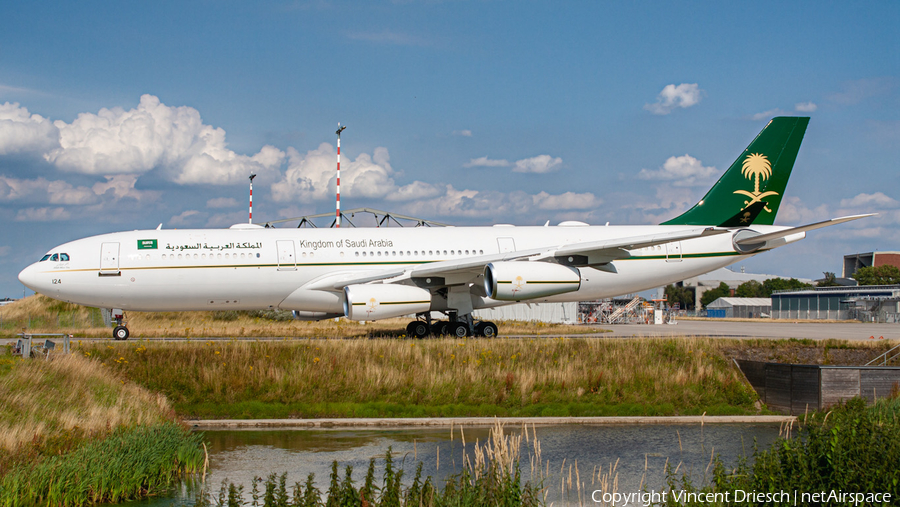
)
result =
(796, 230)
(605, 250)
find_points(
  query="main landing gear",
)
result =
(454, 328)
(120, 332)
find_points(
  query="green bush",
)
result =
(850, 449)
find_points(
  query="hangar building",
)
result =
(868, 303)
(739, 308)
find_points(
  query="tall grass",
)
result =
(128, 464)
(40, 314)
(73, 432)
(493, 478)
(70, 395)
(444, 377)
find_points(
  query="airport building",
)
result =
(556, 313)
(853, 262)
(867, 303)
(739, 308)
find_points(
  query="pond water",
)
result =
(624, 458)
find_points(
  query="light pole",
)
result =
(337, 212)
(251, 196)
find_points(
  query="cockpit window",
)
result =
(44, 258)
(63, 256)
(54, 258)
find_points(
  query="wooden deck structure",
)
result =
(799, 388)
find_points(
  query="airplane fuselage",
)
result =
(266, 268)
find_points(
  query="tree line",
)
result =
(869, 275)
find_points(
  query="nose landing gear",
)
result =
(120, 332)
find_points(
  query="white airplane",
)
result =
(376, 273)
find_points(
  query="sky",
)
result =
(126, 115)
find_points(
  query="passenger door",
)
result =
(287, 258)
(506, 245)
(109, 259)
(673, 251)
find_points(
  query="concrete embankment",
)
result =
(479, 421)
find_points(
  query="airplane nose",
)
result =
(28, 278)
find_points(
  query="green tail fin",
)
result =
(760, 174)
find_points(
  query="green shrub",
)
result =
(850, 449)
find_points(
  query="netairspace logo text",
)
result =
(648, 498)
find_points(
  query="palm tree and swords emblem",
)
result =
(754, 167)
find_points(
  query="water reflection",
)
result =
(637, 454)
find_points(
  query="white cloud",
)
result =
(486, 162)
(414, 191)
(12, 189)
(4, 250)
(311, 177)
(876, 200)
(122, 186)
(684, 95)
(222, 202)
(854, 92)
(64, 193)
(150, 136)
(805, 107)
(540, 164)
(188, 217)
(566, 201)
(463, 133)
(684, 171)
(794, 211)
(22, 132)
(228, 219)
(500, 206)
(42, 215)
(765, 115)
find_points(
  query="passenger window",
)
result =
(63, 256)
(55, 257)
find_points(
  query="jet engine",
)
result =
(384, 301)
(514, 281)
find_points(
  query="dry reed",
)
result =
(70, 394)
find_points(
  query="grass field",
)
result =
(437, 377)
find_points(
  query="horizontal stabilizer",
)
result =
(796, 230)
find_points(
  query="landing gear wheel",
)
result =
(459, 330)
(440, 328)
(488, 329)
(120, 333)
(418, 329)
(409, 328)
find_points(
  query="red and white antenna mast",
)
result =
(337, 212)
(251, 196)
